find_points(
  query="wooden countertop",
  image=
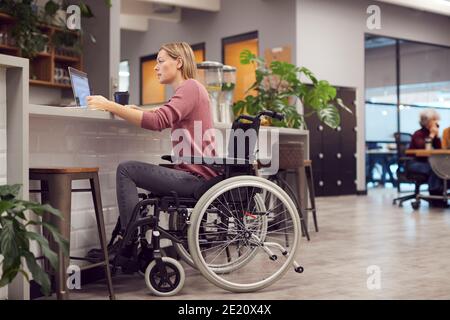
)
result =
(426, 153)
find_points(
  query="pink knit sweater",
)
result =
(189, 106)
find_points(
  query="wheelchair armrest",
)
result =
(211, 160)
(167, 157)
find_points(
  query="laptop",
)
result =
(80, 86)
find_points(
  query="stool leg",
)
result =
(312, 196)
(279, 183)
(297, 203)
(58, 194)
(96, 197)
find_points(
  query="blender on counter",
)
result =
(210, 74)
(227, 94)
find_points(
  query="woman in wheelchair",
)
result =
(223, 219)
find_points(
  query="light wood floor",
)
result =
(411, 248)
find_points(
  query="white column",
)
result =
(14, 95)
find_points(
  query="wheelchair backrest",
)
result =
(243, 139)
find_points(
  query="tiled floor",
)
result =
(410, 248)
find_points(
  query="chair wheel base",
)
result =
(299, 269)
(415, 205)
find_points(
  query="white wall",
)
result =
(2, 126)
(3, 291)
(330, 41)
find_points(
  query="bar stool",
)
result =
(291, 162)
(56, 190)
(312, 196)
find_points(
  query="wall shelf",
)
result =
(43, 67)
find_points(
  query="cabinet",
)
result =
(333, 151)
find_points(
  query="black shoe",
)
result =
(96, 255)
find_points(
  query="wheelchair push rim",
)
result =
(271, 254)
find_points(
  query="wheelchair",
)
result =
(239, 230)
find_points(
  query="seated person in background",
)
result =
(430, 130)
(446, 139)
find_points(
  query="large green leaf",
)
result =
(341, 104)
(40, 209)
(8, 275)
(5, 205)
(8, 245)
(8, 192)
(38, 274)
(63, 243)
(330, 116)
(46, 251)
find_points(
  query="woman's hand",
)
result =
(98, 103)
(434, 130)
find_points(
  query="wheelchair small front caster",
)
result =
(415, 205)
(273, 257)
(299, 269)
(168, 282)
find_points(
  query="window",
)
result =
(124, 76)
(381, 92)
(403, 78)
(199, 52)
(151, 90)
(245, 74)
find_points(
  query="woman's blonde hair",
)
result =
(183, 51)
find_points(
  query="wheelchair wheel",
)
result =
(183, 250)
(168, 282)
(246, 251)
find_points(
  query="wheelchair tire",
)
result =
(165, 287)
(227, 279)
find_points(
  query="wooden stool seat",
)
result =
(62, 170)
(56, 190)
(307, 162)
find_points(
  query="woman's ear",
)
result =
(179, 63)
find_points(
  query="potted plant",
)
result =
(280, 85)
(15, 237)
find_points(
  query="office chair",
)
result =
(403, 141)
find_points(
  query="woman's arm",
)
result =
(131, 113)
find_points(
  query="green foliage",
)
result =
(278, 87)
(29, 38)
(25, 31)
(15, 238)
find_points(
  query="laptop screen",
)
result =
(80, 86)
